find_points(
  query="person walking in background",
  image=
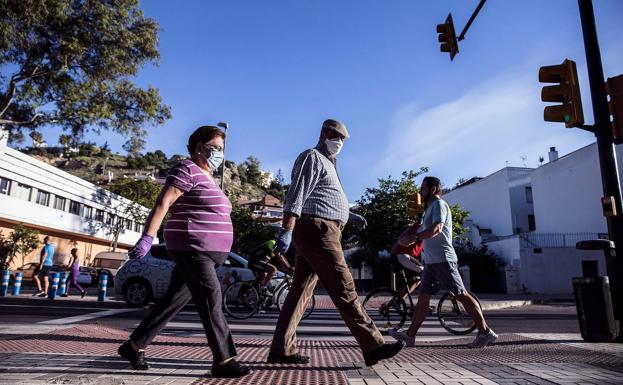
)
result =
(440, 265)
(317, 205)
(46, 261)
(198, 237)
(74, 272)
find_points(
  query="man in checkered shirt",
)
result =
(315, 212)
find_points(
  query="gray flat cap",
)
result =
(336, 126)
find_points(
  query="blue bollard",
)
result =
(53, 291)
(62, 286)
(17, 284)
(101, 295)
(6, 274)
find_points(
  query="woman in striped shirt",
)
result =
(198, 236)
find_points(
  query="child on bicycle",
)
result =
(263, 263)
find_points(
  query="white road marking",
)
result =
(84, 317)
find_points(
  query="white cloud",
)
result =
(478, 132)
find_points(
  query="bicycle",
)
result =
(389, 310)
(243, 299)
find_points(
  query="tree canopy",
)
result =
(71, 63)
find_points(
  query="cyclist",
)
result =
(409, 258)
(263, 263)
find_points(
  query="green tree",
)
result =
(20, 242)
(486, 268)
(71, 62)
(143, 192)
(276, 189)
(248, 233)
(252, 172)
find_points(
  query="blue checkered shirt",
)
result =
(316, 189)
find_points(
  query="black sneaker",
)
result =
(382, 352)
(37, 294)
(64, 295)
(84, 292)
(42, 294)
(137, 359)
(232, 369)
(293, 359)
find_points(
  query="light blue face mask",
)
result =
(215, 159)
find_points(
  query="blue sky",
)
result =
(276, 69)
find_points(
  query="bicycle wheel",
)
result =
(241, 300)
(386, 308)
(281, 298)
(453, 316)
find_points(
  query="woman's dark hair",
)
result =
(431, 182)
(74, 250)
(203, 134)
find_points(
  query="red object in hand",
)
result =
(413, 250)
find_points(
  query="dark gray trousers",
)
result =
(194, 277)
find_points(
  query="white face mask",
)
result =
(334, 146)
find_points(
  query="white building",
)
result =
(532, 218)
(74, 212)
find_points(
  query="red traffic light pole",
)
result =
(607, 155)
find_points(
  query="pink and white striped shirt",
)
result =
(200, 218)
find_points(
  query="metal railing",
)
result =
(550, 240)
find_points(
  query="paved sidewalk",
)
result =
(86, 354)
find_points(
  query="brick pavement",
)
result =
(86, 354)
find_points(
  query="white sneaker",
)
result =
(483, 339)
(401, 335)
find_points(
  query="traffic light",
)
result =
(567, 92)
(447, 37)
(614, 88)
(415, 205)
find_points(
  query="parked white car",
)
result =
(143, 280)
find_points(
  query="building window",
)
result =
(59, 203)
(5, 186)
(138, 227)
(99, 215)
(74, 207)
(43, 198)
(87, 212)
(128, 224)
(531, 223)
(24, 192)
(110, 219)
(528, 194)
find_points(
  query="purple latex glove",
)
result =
(142, 247)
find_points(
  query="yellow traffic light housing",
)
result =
(614, 88)
(447, 37)
(567, 92)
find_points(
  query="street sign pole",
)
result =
(607, 155)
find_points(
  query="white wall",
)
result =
(551, 271)
(489, 200)
(567, 193)
(519, 179)
(508, 249)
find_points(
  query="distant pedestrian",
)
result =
(315, 212)
(198, 236)
(46, 260)
(440, 265)
(74, 266)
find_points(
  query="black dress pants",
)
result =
(194, 277)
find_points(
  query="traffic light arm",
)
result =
(471, 20)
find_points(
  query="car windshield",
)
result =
(108, 263)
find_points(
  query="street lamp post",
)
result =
(224, 126)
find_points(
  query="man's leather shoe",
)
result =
(232, 369)
(137, 359)
(382, 352)
(293, 359)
